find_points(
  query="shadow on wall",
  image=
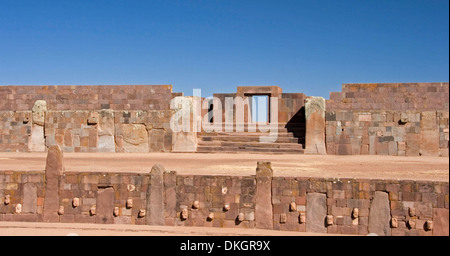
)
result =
(297, 126)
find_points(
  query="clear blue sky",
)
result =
(303, 46)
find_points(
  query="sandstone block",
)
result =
(316, 212)
(263, 197)
(135, 138)
(379, 214)
(315, 125)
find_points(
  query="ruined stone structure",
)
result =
(162, 197)
(404, 119)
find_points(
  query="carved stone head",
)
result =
(116, 211)
(184, 214)
(75, 202)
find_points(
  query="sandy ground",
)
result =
(83, 229)
(328, 166)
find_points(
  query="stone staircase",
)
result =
(288, 140)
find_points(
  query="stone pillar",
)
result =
(429, 134)
(155, 197)
(184, 128)
(105, 142)
(380, 214)
(53, 169)
(315, 125)
(170, 194)
(37, 140)
(263, 201)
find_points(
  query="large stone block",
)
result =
(135, 138)
(156, 139)
(183, 125)
(315, 125)
(429, 134)
(263, 197)
(316, 212)
(53, 169)
(440, 222)
(380, 214)
(155, 196)
(104, 207)
(29, 198)
(36, 143)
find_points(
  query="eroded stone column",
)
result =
(155, 196)
(315, 125)
(263, 201)
(53, 169)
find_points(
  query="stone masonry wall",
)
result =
(87, 97)
(389, 119)
(335, 206)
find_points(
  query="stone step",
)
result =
(262, 145)
(251, 134)
(233, 149)
(279, 139)
(250, 144)
(279, 130)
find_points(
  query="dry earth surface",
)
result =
(326, 166)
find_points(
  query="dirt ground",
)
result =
(327, 166)
(84, 229)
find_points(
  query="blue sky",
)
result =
(302, 46)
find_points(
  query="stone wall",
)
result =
(389, 119)
(160, 197)
(86, 97)
(87, 131)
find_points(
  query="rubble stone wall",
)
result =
(389, 119)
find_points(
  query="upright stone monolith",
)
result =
(380, 214)
(315, 125)
(53, 169)
(263, 202)
(155, 196)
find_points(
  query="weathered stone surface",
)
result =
(429, 134)
(106, 143)
(380, 215)
(156, 140)
(184, 142)
(135, 138)
(29, 198)
(263, 197)
(39, 108)
(104, 209)
(316, 212)
(315, 125)
(53, 169)
(36, 142)
(106, 122)
(155, 196)
(440, 222)
(184, 129)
